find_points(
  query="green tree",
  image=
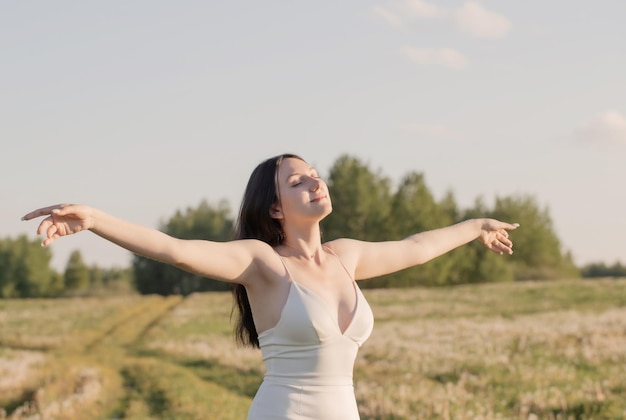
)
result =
(25, 269)
(414, 209)
(538, 251)
(110, 281)
(202, 222)
(76, 274)
(474, 262)
(109, 276)
(601, 269)
(360, 200)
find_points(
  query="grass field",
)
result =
(553, 350)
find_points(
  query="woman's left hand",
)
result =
(495, 236)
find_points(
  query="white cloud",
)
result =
(399, 15)
(390, 16)
(475, 20)
(471, 18)
(607, 129)
(419, 9)
(436, 57)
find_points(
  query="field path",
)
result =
(98, 368)
(131, 328)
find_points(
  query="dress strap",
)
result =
(330, 251)
(282, 260)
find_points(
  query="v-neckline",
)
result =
(334, 315)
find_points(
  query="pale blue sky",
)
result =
(145, 107)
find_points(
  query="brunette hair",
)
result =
(255, 222)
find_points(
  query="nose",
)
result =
(315, 184)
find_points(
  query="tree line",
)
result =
(25, 272)
(365, 206)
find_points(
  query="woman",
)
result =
(297, 297)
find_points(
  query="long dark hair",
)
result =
(255, 222)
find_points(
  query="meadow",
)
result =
(528, 350)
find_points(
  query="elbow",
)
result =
(185, 265)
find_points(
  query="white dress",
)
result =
(309, 361)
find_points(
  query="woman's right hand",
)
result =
(62, 220)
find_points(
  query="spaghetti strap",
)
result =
(282, 260)
(330, 251)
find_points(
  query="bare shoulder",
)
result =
(344, 245)
(265, 263)
(348, 250)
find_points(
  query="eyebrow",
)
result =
(311, 169)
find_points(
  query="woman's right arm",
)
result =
(227, 261)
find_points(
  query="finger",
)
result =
(62, 209)
(498, 246)
(52, 230)
(501, 248)
(512, 226)
(504, 239)
(499, 251)
(52, 234)
(44, 225)
(44, 211)
(48, 241)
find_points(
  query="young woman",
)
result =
(297, 297)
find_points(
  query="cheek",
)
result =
(289, 201)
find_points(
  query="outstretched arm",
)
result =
(373, 259)
(220, 260)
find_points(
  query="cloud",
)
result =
(474, 19)
(390, 16)
(399, 15)
(471, 18)
(421, 10)
(608, 129)
(436, 57)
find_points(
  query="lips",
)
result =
(318, 198)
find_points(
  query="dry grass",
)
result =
(512, 357)
(201, 329)
(19, 372)
(49, 324)
(496, 351)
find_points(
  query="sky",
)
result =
(145, 107)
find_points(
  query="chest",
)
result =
(331, 284)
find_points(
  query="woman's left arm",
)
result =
(373, 259)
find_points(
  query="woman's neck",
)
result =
(303, 244)
(302, 250)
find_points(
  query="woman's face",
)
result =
(302, 194)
